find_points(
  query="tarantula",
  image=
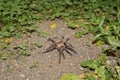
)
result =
(61, 46)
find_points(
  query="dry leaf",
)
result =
(9, 40)
(107, 27)
(83, 75)
(53, 25)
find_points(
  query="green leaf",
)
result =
(90, 64)
(5, 33)
(97, 36)
(11, 28)
(26, 53)
(43, 33)
(71, 25)
(4, 56)
(18, 34)
(68, 2)
(113, 41)
(4, 46)
(10, 69)
(80, 33)
(101, 72)
(91, 77)
(21, 46)
(31, 28)
(118, 71)
(99, 43)
(70, 77)
(39, 44)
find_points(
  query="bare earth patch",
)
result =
(39, 66)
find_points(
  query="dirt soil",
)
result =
(39, 66)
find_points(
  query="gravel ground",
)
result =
(41, 66)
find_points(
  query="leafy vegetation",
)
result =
(5, 55)
(96, 70)
(43, 33)
(102, 18)
(23, 50)
(70, 77)
(80, 33)
(101, 69)
(99, 17)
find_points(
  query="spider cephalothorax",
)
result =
(60, 46)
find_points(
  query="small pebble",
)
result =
(22, 75)
(81, 56)
(45, 71)
(2, 70)
(49, 56)
(49, 60)
(66, 63)
(63, 70)
(62, 28)
(71, 64)
(81, 68)
(27, 79)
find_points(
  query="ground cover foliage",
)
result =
(96, 70)
(99, 17)
(102, 18)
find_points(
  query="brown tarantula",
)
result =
(60, 46)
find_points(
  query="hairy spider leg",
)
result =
(62, 37)
(60, 50)
(59, 58)
(51, 40)
(70, 47)
(51, 48)
(68, 52)
(67, 40)
(68, 44)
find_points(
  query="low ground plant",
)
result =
(99, 17)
